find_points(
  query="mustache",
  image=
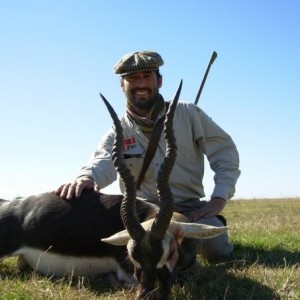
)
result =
(141, 89)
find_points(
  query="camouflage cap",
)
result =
(138, 62)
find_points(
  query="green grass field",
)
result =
(265, 263)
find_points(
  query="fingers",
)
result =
(96, 188)
(74, 189)
(58, 191)
(78, 190)
(199, 214)
(196, 215)
(66, 191)
(81, 185)
(71, 190)
(210, 209)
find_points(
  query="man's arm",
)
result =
(98, 173)
(223, 158)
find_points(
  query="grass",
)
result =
(265, 263)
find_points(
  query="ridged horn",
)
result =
(162, 221)
(131, 222)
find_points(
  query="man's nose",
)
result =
(141, 81)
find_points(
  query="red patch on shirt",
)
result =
(129, 143)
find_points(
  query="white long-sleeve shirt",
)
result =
(196, 135)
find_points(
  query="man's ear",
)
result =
(159, 82)
(122, 83)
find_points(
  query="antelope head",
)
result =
(154, 245)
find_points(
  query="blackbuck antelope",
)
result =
(101, 234)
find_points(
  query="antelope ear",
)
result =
(122, 238)
(200, 231)
(118, 239)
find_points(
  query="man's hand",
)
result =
(71, 189)
(212, 208)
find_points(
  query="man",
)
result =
(196, 135)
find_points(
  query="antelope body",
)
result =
(97, 234)
(58, 237)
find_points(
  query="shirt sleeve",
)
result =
(220, 151)
(100, 167)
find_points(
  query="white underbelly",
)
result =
(60, 265)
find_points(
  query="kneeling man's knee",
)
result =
(217, 248)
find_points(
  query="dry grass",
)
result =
(264, 265)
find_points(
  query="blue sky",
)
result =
(56, 56)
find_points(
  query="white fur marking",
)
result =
(61, 265)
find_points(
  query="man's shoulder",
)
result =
(187, 107)
(125, 120)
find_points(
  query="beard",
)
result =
(144, 103)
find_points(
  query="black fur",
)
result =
(69, 227)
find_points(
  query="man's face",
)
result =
(141, 89)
